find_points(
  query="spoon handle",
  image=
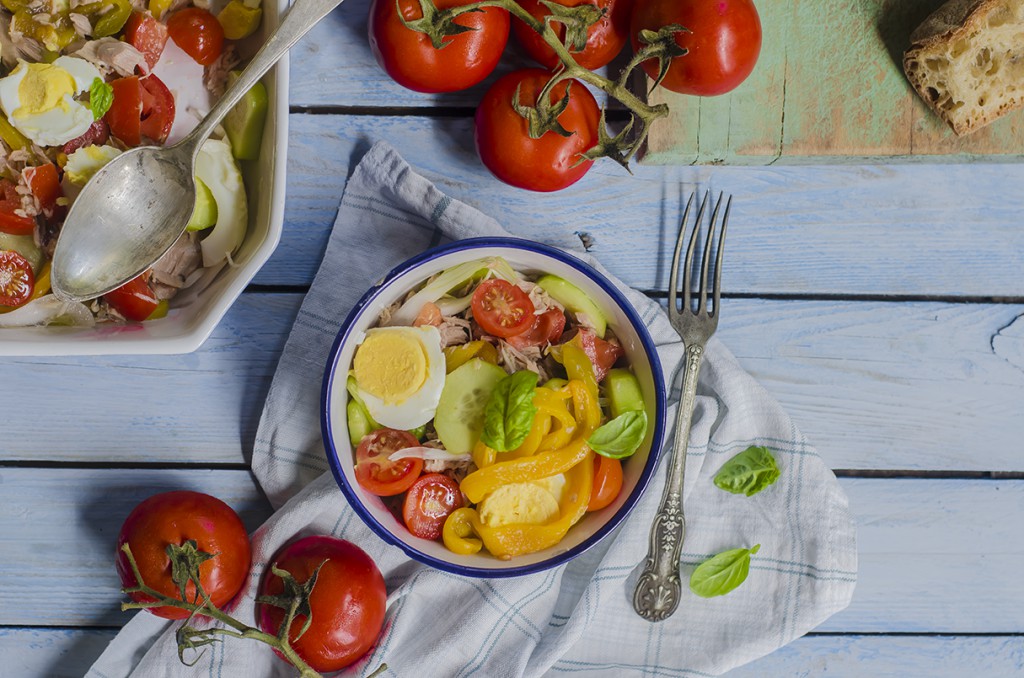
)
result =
(303, 15)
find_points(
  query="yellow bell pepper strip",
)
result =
(538, 430)
(483, 455)
(578, 367)
(42, 283)
(239, 20)
(507, 541)
(483, 481)
(552, 404)
(457, 356)
(458, 530)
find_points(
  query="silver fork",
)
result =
(658, 589)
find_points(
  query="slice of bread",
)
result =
(967, 61)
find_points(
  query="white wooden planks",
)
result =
(927, 230)
(874, 385)
(936, 555)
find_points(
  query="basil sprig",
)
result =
(722, 573)
(748, 472)
(621, 436)
(509, 413)
(101, 96)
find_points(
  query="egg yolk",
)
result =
(42, 89)
(390, 365)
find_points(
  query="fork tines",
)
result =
(703, 309)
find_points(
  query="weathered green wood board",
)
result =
(828, 88)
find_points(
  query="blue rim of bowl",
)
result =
(511, 243)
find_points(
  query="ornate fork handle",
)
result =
(658, 589)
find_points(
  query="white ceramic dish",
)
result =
(186, 328)
(526, 257)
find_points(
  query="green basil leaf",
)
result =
(621, 436)
(101, 95)
(748, 472)
(509, 413)
(722, 573)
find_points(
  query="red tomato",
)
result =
(605, 38)
(198, 33)
(142, 107)
(501, 308)
(14, 224)
(410, 58)
(16, 279)
(174, 518)
(547, 329)
(724, 42)
(549, 163)
(603, 354)
(147, 35)
(98, 133)
(134, 299)
(347, 604)
(607, 482)
(429, 502)
(45, 185)
(378, 474)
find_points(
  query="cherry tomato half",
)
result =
(44, 183)
(503, 141)
(501, 308)
(147, 35)
(16, 279)
(724, 42)
(347, 604)
(605, 39)
(134, 300)
(603, 354)
(607, 482)
(174, 518)
(142, 107)
(14, 224)
(429, 502)
(547, 328)
(378, 474)
(198, 33)
(410, 58)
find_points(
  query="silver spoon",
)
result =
(136, 206)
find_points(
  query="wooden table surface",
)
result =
(882, 305)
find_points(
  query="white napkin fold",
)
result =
(575, 619)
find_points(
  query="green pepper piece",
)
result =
(244, 123)
(113, 20)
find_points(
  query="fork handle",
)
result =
(658, 589)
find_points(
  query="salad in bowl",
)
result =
(82, 81)
(494, 407)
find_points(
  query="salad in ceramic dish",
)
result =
(491, 409)
(84, 80)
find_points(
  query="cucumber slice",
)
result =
(359, 424)
(26, 246)
(244, 122)
(623, 391)
(575, 300)
(205, 213)
(460, 411)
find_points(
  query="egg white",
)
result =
(419, 408)
(55, 126)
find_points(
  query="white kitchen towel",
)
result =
(576, 619)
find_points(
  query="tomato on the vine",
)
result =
(142, 107)
(411, 59)
(44, 182)
(198, 33)
(605, 38)
(16, 279)
(551, 162)
(172, 519)
(347, 604)
(501, 308)
(428, 503)
(376, 473)
(723, 42)
(607, 482)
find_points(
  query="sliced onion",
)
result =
(427, 453)
(48, 310)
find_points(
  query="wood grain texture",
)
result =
(828, 87)
(874, 385)
(934, 555)
(930, 230)
(68, 653)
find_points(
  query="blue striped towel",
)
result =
(576, 619)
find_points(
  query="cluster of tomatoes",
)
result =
(347, 604)
(722, 39)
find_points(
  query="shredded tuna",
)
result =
(110, 55)
(16, 45)
(81, 23)
(530, 358)
(215, 76)
(173, 270)
(454, 331)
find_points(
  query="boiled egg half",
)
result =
(399, 374)
(39, 99)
